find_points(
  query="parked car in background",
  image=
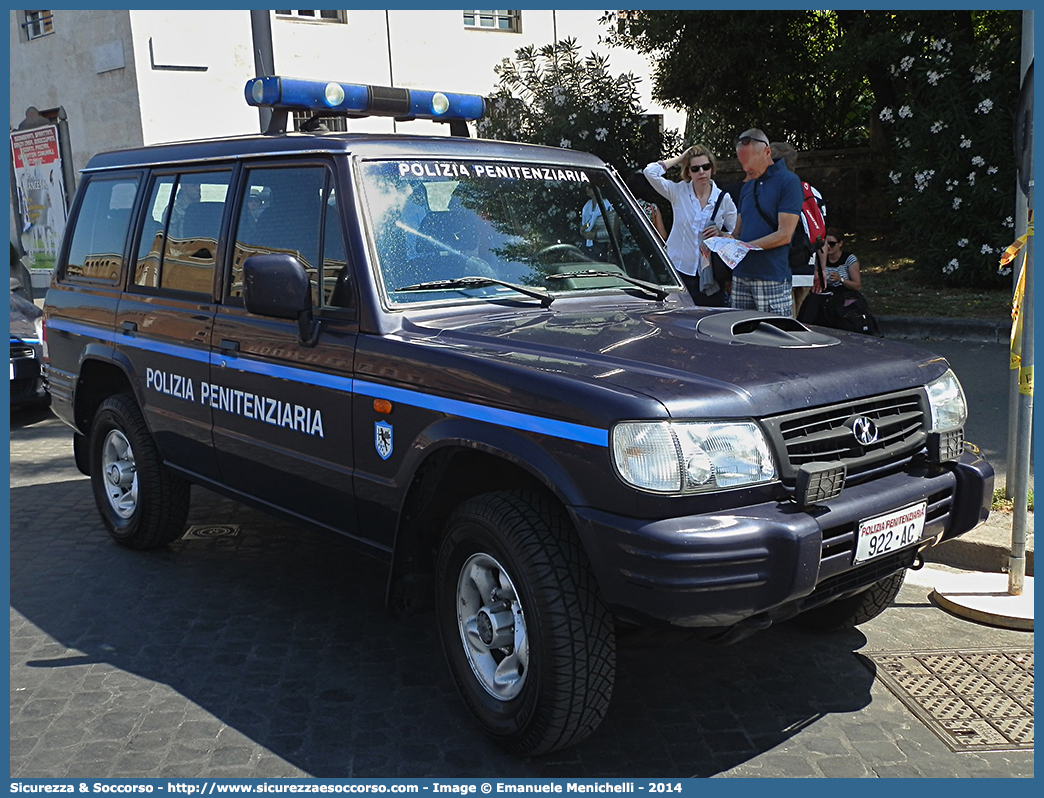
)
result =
(27, 383)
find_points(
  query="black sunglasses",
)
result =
(832, 243)
(701, 167)
(745, 140)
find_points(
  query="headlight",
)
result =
(947, 403)
(691, 456)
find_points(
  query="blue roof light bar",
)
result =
(353, 99)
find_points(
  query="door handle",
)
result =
(129, 326)
(228, 347)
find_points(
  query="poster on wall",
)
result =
(41, 193)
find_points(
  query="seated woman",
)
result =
(841, 305)
(840, 271)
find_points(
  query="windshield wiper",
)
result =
(481, 282)
(656, 290)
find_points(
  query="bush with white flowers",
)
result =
(555, 96)
(952, 173)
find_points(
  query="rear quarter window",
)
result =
(96, 251)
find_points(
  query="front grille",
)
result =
(824, 434)
(21, 350)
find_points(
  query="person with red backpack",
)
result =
(807, 250)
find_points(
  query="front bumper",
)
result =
(27, 383)
(774, 559)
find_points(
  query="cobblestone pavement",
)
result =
(271, 654)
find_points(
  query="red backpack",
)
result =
(813, 218)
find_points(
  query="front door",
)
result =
(282, 408)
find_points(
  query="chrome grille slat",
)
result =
(823, 434)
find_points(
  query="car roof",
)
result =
(366, 145)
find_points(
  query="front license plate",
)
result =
(884, 533)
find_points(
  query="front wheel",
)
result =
(142, 503)
(527, 638)
(851, 611)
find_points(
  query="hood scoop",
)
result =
(761, 329)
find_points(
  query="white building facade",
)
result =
(124, 78)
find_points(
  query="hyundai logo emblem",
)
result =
(864, 429)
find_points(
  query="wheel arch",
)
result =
(100, 377)
(460, 462)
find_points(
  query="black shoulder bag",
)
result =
(719, 268)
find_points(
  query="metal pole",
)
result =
(391, 66)
(1024, 433)
(1021, 216)
(264, 57)
(1020, 492)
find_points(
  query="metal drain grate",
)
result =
(210, 531)
(974, 700)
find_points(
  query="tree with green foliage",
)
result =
(952, 171)
(736, 70)
(556, 97)
(932, 92)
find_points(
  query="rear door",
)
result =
(165, 319)
(282, 408)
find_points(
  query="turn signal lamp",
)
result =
(353, 99)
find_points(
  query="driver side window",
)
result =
(281, 211)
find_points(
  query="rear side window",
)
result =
(100, 235)
(293, 211)
(178, 245)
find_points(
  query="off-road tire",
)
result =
(570, 643)
(162, 499)
(849, 612)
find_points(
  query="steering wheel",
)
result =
(556, 248)
(480, 268)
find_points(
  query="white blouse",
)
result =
(683, 243)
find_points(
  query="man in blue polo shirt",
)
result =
(770, 207)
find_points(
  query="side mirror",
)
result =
(278, 286)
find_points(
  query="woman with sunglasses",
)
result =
(840, 271)
(697, 203)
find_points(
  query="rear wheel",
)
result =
(527, 638)
(143, 504)
(851, 611)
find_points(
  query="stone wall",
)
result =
(853, 182)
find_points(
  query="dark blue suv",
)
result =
(405, 340)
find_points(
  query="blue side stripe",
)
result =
(454, 407)
(82, 329)
(282, 372)
(505, 418)
(174, 350)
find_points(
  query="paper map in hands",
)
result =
(730, 250)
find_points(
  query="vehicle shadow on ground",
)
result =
(282, 636)
(22, 417)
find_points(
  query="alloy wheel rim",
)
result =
(119, 473)
(492, 627)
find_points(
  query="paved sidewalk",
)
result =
(944, 329)
(985, 548)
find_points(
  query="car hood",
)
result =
(23, 316)
(697, 363)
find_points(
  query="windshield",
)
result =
(437, 221)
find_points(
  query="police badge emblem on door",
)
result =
(382, 439)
